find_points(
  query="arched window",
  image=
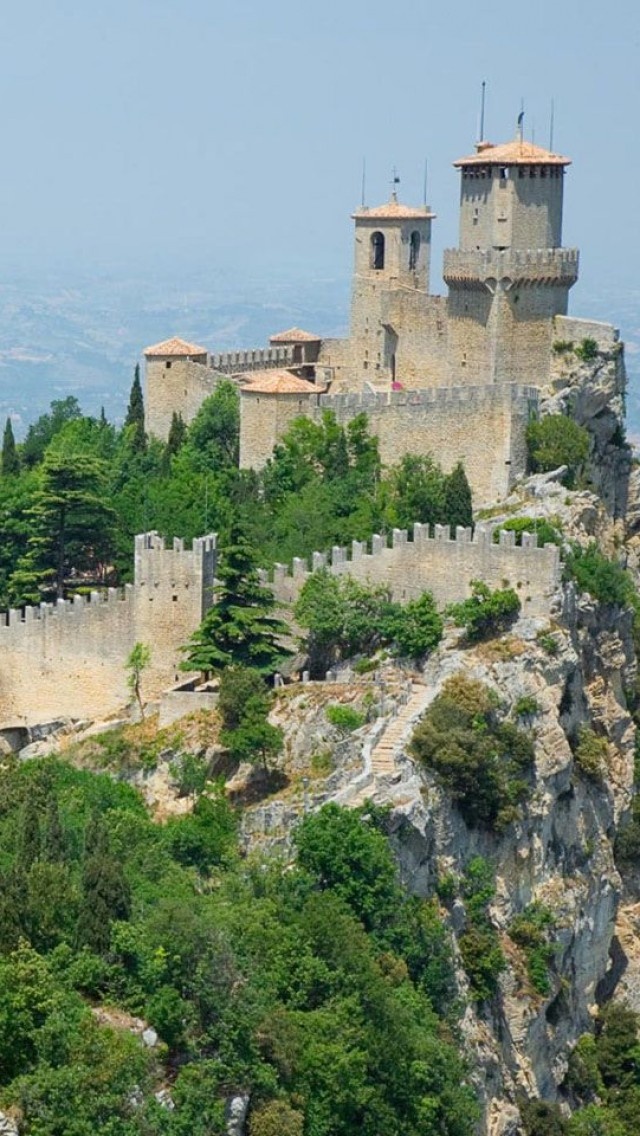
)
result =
(414, 250)
(377, 251)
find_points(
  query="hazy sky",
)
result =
(141, 134)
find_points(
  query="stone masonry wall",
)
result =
(437, 564)
(181, 387)
(264, 419)
(68, 659)
(421, 324)
(483, 427)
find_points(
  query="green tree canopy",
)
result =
(557, 440)
(41, 432)
(214, 434)
(72, 522)
(240, 627)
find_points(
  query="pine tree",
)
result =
(10, 461)
(72, 522)
(135, 414)
(458, 508)
(239, 628)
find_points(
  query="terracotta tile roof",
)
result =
(294, 335)
(393, 210)
(514, 153)
(276, 382)
(175, 347)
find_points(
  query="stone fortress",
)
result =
(457, 377)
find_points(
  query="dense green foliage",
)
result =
(604, 1076)
(546, 532)
(344, 718)
(324, 486)
(344, 618)
(293, 985)
(531, 930)
(239, 628)
(479, 944)
(486, 613)
(244, 703)
(590, 754)
(557, 440)
(481, 759)
(606, 580)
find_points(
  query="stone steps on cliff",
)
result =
(383, 756)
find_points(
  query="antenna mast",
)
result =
(551, 124)
(424, 183)
(364, 181)
(482, 104)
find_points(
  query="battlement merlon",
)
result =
(442, 562)
(350, 403)
(168, 570)
(254, 359)
(558, 266)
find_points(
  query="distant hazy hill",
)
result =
(83, 338)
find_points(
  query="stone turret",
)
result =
(510, 276)
(177, 378)
(392, 254)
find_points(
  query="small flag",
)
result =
(521, 118)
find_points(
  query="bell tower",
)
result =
(510, 275)
(392, 254)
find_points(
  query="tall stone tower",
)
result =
(392, 255)
(510, 275)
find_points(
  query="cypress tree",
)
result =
(458, 509)
(135, 413)
(105, 891)
(29, 836)
(10, 461)
(175, 441)
(53, 841)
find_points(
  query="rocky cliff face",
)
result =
(593, 392)
(559, 854)
(575, 668)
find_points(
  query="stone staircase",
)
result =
(383, 764)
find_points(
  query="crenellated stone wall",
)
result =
(444, 565)
(68, 658)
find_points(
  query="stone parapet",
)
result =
(258, 359)
(534, 266)
(351, 403)
(69, 658)
(410, 562)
